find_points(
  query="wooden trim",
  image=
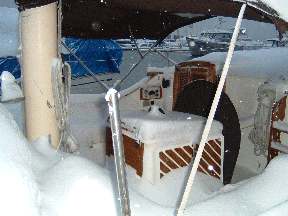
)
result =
(278, 113)
(132, 150)
(153, 74)
(187, 72)
(141, 94)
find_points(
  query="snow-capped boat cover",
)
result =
(100, 56)
(12, 65)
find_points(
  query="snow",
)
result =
(267, 63)
(279, 146)
(69, 184)
(262, 194)
(44, 181)
(9, 88)
(164, 129)
(50, 182)
(18, 184)
(168, 70)
(169, 191)
(280, 125)
(280, 6)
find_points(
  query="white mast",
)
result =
(39, 47)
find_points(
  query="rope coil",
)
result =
(61, 85)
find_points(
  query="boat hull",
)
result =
(201, 47)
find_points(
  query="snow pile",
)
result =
(169, 191)
(20, 194)
(38, 180)
(265, 194)
(9, 88)
(165, 129)
(88, 124)
(69, 184)
(48, 182)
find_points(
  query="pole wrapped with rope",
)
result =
(212, 112)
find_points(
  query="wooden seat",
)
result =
(279, 127)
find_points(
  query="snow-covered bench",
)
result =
(156, 143)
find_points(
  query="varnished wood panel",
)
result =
(186, 72)
(132, 150)
(278, 114)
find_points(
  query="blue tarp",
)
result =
(100, 56)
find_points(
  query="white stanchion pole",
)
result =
(113, 103)
(212, 112)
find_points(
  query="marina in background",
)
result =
(218, 40)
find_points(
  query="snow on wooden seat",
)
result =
(156, 143)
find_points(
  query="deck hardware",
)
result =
(165, 83)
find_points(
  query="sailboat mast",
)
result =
(39, 47)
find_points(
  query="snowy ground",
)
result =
(43, 181)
